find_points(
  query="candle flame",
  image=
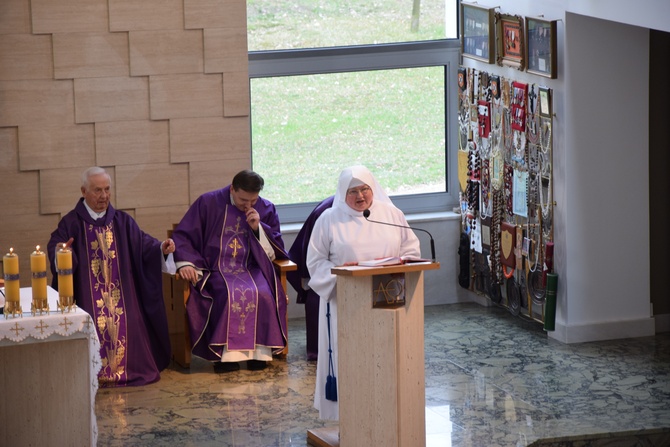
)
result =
(11, 250)
(37, 248)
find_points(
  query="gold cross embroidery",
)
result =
(235, 245)
(87, 322)
(16, 329)
(65, 324)
(41, 326)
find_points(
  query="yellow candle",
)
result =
(10, 266)
(38, 268)
(64, 265)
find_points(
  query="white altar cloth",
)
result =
(53, 326)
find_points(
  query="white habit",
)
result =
(342, 235)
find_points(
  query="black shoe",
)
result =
(256, 365)
(224, 367)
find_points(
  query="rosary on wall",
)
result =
(505, 172)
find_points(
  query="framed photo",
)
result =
(518, 107)
(510, 41)
(541, 44)
(545, 102)
(477, 38)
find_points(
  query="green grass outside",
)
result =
(284, 24)
(306, 129)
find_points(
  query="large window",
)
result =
(337, 83)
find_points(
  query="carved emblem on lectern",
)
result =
(388, 290)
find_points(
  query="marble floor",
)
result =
(492, 379)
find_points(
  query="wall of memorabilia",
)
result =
(505, 175)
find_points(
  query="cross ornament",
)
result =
(531, 98)
(41, 326)
(87, 322)
(235, 245)
(17, 329)
(66, 324)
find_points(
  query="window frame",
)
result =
(445, 53)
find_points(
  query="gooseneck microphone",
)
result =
(366, 214)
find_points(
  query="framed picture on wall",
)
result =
(545, 102)
(477, 35)
(518, 107)
(510, 40)
(541, 44)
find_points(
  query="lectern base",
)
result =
(324, 437)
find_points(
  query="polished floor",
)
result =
(492, 379)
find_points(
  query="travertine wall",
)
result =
(154, 90)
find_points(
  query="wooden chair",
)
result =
(175, 292)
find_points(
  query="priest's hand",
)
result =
(253, 219)
(188, 273)
(167, 246)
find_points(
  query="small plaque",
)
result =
(388, 291)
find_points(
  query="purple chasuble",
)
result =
(118, 281)
(239, 302)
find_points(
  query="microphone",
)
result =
(366, 214)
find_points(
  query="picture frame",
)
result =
(545, 102)
(510, 41)
(541, 47)
(478, 32)
(518, 105)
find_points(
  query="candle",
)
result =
(64, 265)
(38, 268)
(10, 266)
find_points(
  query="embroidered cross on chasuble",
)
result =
(242, 289)
(109, 308)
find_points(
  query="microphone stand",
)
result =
(366, 214)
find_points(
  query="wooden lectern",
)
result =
(381, 385)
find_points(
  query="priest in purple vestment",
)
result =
(117, 276)
(300, 277)
(225, 245)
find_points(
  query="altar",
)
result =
(49, 367)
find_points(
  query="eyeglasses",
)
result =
(364, 190)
